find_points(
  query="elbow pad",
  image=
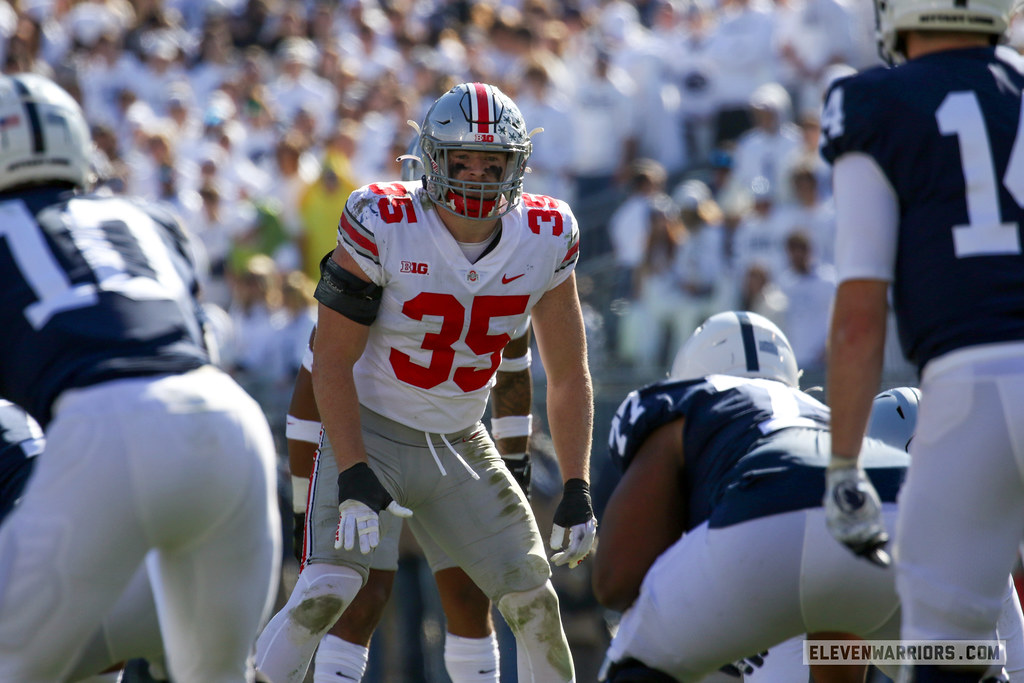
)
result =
(343, 292)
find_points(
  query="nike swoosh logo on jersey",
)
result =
(505, 279)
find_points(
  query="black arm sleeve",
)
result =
(341, 291)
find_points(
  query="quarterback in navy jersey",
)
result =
(925, 127)
(729, 458)
(928, 173)
(152, 453)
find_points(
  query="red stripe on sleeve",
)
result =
(356, 237)
(572, 251)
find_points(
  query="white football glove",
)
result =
(358, 520)
(575, 514)
(360, 498)
(853, 510)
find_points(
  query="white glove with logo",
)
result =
(361, 497)
(576, 514)
(853, 510)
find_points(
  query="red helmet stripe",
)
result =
(484, 107)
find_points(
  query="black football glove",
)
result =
(519, 465)
(575, 514)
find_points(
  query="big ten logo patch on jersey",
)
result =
(414, 267)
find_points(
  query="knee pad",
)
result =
(520, 609)
(321, 594)
(633, 671)
(542, 651)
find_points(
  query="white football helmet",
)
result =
(976, 16)
(894, 416)
(474, 116)
(737, 343)
(43, 134)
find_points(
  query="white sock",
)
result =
(471, 660)
(339, 661)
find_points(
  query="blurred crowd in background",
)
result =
(682, 132)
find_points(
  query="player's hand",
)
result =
(746, 665)
(361, 497)
(519, 465)
(853, 510)
(575, 527)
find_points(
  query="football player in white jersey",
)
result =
(427, 285)
(153, 456)
(471, 646)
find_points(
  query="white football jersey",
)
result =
(443, 322)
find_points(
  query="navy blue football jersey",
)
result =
(943, 128)
(94, 288)
(751, 447)
(21, 440)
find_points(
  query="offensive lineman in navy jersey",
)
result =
(739, 451)
(928, 163)
(151, 452)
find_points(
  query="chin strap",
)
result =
(470, 207)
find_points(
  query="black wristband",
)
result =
(575, 506)
(522, 471)
(360, 483)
